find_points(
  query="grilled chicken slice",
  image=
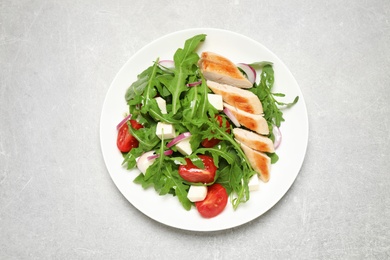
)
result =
(253, 122)
(253, 140)
(240, 98)
(220, 69)
(260, 162)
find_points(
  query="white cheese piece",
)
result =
(166, 131)
(216, 101)
(253, 183)
(162, 104)
(143, 162)
(197, 193)
(184, 146)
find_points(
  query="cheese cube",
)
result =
(216, 101)
(166, 131)
(184, 146)
(197, 193)
(162, 104)
(253, 183)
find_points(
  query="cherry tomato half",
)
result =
(191, 173)
(125, 141)
(214, 203)
(135, 124)
(208, 143)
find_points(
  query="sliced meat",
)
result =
(260, 162)
(220, 69)
(240, 98)
(253, 122)
(253, 140)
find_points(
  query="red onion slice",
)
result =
(232, 118)
(169, 64)
(121, 123)
(179, 138)
(154, 156)
(193, 84)
(278, 136)
(249, 71)
(168, 152)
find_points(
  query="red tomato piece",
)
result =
(135, 124)
(208, 143)
(191, 173)
(214, 203)
(125, 141)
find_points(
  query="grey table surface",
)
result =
(57, 61)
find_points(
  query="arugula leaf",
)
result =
(221, 134)
(186, 56)
(223, 177)
(140, 179)
(196, 108)
(184, 59)
(146, 137)
(217, 152)
(189, 106)
(271, 106)
(162, 176)
(240, 170)
(138, 86)
(129, 158)
(196, 161)
(260, 64)
(274, 157)
(164, 80)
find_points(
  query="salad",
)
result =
(182, 143)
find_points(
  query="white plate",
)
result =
(167, 209)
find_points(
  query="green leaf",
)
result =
(184, 56)
(146, 137)
(184, 59)
(271, 106)
(196, 161)
(130, 157)
(260, 64)
(165, 177)
(274, 157)
(217, 152)
(138, 87)
(150, 91)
